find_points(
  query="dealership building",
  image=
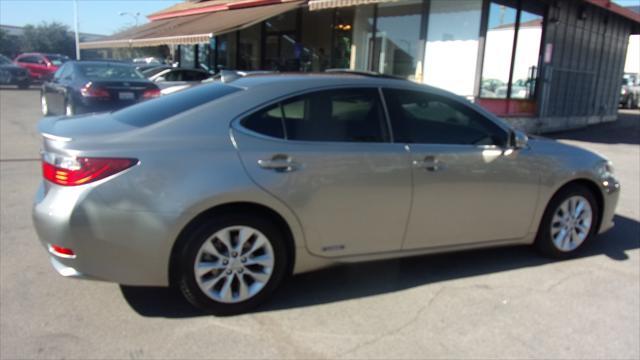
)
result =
(543, 65)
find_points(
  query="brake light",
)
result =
(89, 90)
(151, 93)
(73, 171)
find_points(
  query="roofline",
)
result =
(214, 8)
(616, 9)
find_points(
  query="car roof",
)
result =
(317, 79)
(101, 62)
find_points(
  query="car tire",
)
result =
(69, 108)
(44, 105)
(570, 220)
(227, 275)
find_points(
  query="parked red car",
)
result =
(41, 66)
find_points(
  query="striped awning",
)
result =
(193, 29)
(329, 4)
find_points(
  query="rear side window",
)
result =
(344, 115)
(29, 59)
(194, 76)
(156, 110)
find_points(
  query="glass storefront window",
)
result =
(317, 33)
(249, 48)
(203, 56)
(398, 38)
(498, 50)
(525, 66)
(226, 47)
(283, 51)
(286, 22)
(362, 47)
(187, 56)
(452, 50)
(342, 36)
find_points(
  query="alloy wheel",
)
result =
(234, 264)
(571, 223)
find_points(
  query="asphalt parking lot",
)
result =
(499, 303)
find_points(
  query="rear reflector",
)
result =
(61, 251)
(73, 171)
(151, 93)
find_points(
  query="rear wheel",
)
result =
(232, 264)
(571, 219)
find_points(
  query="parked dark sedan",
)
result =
(95, 86)
(11, 74)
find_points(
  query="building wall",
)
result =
(582, 81)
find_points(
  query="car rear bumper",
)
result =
(109, 245)
(86, 105)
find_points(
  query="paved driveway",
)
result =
(502, 303)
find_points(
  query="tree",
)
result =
(51, 37)
(9, 44)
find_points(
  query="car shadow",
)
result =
(626, 130)
(352, 281)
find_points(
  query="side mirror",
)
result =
(519, 140)
(160, 79)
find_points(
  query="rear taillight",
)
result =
(151, 93)
(92, 91)
(73, 171)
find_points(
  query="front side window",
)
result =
(419, 117)
(349, 115)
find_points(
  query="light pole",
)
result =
(76, 26)
(134, 15)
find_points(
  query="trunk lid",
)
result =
(91, 125)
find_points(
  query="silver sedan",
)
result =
(223, 190)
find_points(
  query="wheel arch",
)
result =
(592, 186)
(237, 207)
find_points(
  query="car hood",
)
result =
(551, 147)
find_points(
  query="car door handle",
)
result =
(429, 163)
(279, 163)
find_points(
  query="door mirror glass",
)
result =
(519, 139)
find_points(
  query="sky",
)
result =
(97, 16)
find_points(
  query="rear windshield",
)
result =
(153, 111)
(109, 72)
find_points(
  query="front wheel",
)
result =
(232, 264)
(571, 219)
